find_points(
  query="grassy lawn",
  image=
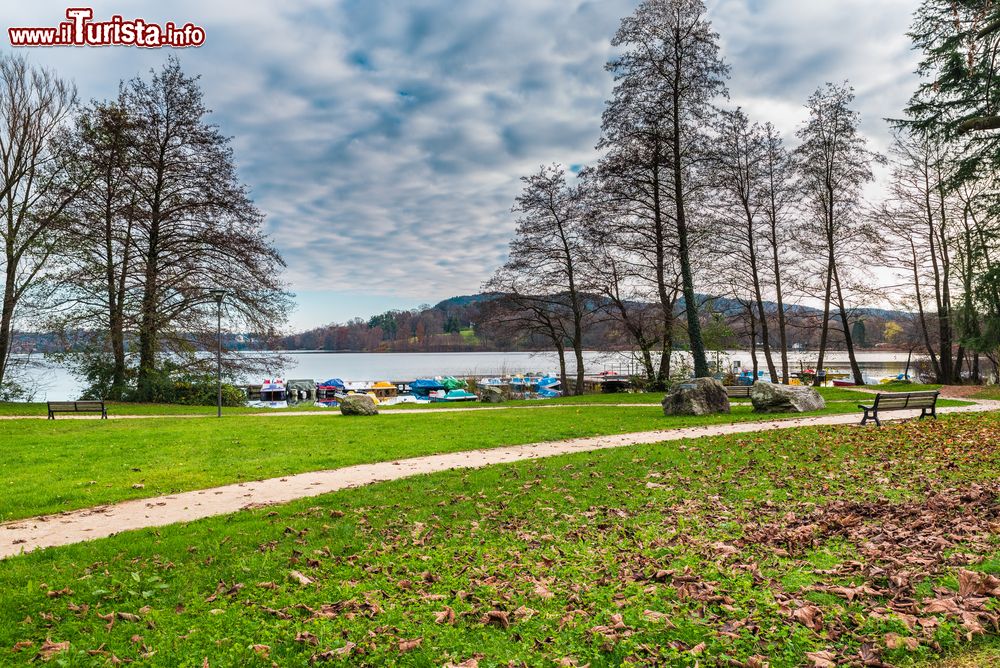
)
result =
(115, 408)
(988, 392)
(905, 387)
(809, 547)
(51, 466)
(828, 393)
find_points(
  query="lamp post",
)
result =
(218, 296)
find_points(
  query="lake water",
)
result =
(54, 382)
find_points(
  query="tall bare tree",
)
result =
(547, 254)
(778, 203)
(96, 271)
(35, 106)
(740, 182)
(667, 76)
(195, 227)
(834, 164)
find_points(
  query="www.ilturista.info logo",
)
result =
(80, 30)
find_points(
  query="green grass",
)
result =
(701, 552)
(52, 466)
(121, 408)
(130, 409)
(988, 392)
(905, 387)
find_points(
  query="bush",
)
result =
(188, 389)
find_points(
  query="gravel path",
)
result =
(100, 522)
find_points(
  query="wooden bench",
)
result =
(77, 407)
(738, 391)
(926, 401)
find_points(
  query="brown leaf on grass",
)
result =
(468, 663)
(446, 616)
(263, 651)
(523, 613)
(23, 644)
(296, 576)
(822, 659)
(971, 583)
(56, 593)
(896, 641)
(267, 585)
(809, 616)
(541, 591)
(496, 618)
(50, 649)
(306, 637)
(946, 606)
(204, 664)
(698, 649)
(127, 616)
(409, 645)
(331, 654)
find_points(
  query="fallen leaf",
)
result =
(409, 645)
(303, 580)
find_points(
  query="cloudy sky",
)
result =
(384, 139)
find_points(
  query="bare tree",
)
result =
(195, 227)
(96, 275)
(740, 179)
(834, 163)
(778, 202)
(34, 107)
(546, 256)
(667, 77)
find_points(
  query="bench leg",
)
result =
(864, 420)
(878, 423)
(51, 416)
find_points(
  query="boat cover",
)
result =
(452, 383)
(425, 385)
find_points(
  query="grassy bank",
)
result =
(58, 465)
(132, 409)
(794, 547)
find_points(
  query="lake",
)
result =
(54, 382)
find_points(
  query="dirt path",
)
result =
(100, 522)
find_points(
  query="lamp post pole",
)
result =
(218, 295)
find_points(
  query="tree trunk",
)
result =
(683, 248)
(848, 337)
(7, 322)
(825, 331)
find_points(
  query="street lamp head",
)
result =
(218, 295)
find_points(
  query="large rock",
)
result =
(491, 395)
(772, 398)
(701, 396)
(358, 404)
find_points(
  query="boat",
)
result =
(424, 388)
(838, 382)
(458, 395)
(272, 395)
(329, 391)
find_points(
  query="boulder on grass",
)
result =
(701, 396)
(358, 404)
(491, 395)
(772, 398)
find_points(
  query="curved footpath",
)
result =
(103, 521)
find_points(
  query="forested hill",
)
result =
(462, 324)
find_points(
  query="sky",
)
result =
(384, 140)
